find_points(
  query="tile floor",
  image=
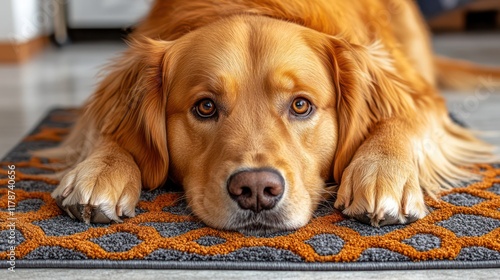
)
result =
(58, 77)
(66, 77)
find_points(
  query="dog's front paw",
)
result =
(100, 190)
(381, 191)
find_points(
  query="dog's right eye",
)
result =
(205, 109)
(301, 108)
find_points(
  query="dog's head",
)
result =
(250, 115)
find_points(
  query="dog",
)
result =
(261, 109)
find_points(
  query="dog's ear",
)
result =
(367, 90)
(130, 103)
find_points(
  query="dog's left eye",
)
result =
(301, 107)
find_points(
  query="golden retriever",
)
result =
(254, 105)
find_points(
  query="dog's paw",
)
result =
(100, 190)
(381, 191)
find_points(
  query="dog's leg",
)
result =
(103, 187)
(381, 184)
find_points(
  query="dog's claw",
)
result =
(386, 220)
(70, 214)
(99, 217)
(85, 213)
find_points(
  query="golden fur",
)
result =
(379, 128)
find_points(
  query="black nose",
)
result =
(257, 189)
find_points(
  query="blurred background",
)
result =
(52, 50)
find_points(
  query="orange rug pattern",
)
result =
(463, 226)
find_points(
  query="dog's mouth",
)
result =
(259, 224)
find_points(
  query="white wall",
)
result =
(6, 22)
(106, 14)
(23, 20)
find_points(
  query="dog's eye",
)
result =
(206, 108)
(301, 107)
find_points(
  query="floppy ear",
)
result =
(367, 90)
(129, 107)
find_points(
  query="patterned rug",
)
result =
(462, 231)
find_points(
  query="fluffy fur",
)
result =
(379, 128)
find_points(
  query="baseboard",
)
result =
(98, 34)
(13, 52)
(476, 16)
